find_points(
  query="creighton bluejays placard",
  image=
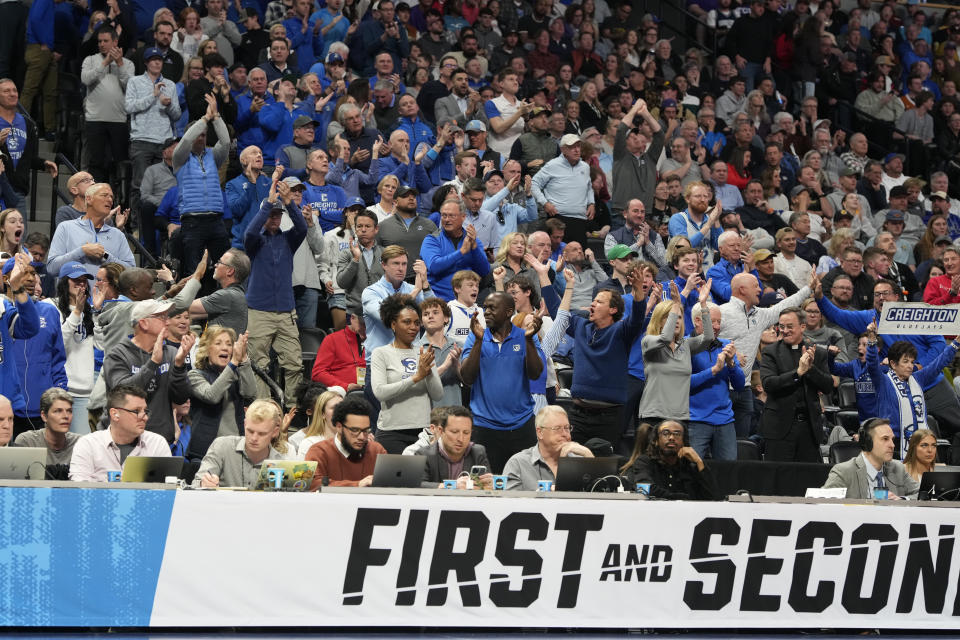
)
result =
(919, 318)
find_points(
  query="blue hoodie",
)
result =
(41, 360)
(23, 322)
(866, 392)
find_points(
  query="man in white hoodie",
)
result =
(466, 286)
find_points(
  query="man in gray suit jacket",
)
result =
(453, 453)
(462, 105)
(875, 468)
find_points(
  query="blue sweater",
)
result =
(271, 260)
(276, 122)
(601, 354)
(866, 391)
(41, 359)
(443, 259)
(688, 302)
(243, 201)
(20, 321)
(410, 174)
(40, 23)
(247, 126)
(635, 360)
(722, 273)
(888, 403)
(307, 45)
(928, 347)
(710, 394)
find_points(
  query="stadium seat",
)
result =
(843, 451)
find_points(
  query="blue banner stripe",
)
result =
(80, 557)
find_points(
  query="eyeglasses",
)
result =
(852, 260)
(358, 431)
(884, 294)
(143, 414)
(667, 433)
(562, 427)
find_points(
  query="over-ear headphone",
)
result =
(866, 432)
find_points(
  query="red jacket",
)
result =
(938, 291)
(337, 359)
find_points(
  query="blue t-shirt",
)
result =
(327, 203)
(17, 140)
(500, 396)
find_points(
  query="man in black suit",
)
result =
(454, 453)
(792, 374)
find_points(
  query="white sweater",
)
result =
(79, 348)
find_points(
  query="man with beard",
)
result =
(755, 213)
(462, 105)
(671, 467)
(637, 234)
(348, 458)
(700, 226)
(535, 147)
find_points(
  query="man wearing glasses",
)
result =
(96, 454)
(347, 459)
(146, 362)
(524, 470)
(859, 283)
(672, 467)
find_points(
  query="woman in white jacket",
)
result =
(76, 321)
(335, 241)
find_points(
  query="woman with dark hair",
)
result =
(738, 169)
(403, 379)
(936, 226)
(76, 323)
(222, 383)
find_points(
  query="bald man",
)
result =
(77, 186)
(409, 171)
(6, 421)
(742, 323)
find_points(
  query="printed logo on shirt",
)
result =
(134, 370)
(409, 367)
(164, 368)
(464, 331)
(516, 347)
(43, 322)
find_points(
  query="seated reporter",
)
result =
(56, 411)
(403, 379)
(663, 458)
(875, 467)
(101, 451)
(921, 453)
(348, 459)
(524, 470)
(453, 453)
(234, 461)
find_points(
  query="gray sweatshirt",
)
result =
(667, 392)
(404, 403)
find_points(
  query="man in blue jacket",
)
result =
(272, 319)
(715, 371)
(250, 104)
(452, 248)
(20, 321)
(246, 192)
(40, 359)
(941, 401)
(729, 245)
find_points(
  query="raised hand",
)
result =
(425, 364)
(675, 296)
(475, 327)
(157, 355)
(705, 292)
(535, 264)
(499, 273)
(532, 324)
(355, 252)
(186, 343)
(202, 265)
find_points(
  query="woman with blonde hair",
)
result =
(816, 331)
(511, 261)
(921, 453)
(222, 382)
(592, 113)
(321, 425)
(387, 188)
(841, 240)
(667, 358)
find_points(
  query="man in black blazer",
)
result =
(792, 374)
(453, 453)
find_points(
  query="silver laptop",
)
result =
(23, 463)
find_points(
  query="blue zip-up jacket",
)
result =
(888, 403)
(20, 322)
(307, 45)
(710, 394)
(418, 131)
(439, 166)
(443, 259)
(41, 360)
(928, 347)
(243, 199)
(350, 179)
(866, 391)
(598, 352)
(410, 174)
(247, 125)
(199, 185)
(40, 23)
(722, 273)
(635, 359)
(271, 260)
(276, 122)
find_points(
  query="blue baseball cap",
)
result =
(73, 270)
(152, 52)
(355, 202)
(334, 57)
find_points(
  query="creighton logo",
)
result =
(516, 347)
(912, 314)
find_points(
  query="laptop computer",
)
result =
(297, 475)
(581, 474)
(23, 463)
(398, 471)
(151, 468)
(940, 485)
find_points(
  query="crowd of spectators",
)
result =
(487, 208)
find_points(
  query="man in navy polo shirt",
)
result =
(500, 372)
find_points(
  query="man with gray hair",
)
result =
(730, 248)
(525, 469)
(56, 411)
(361, 140)
(89, 240)
(826, 146)
(226, 306)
